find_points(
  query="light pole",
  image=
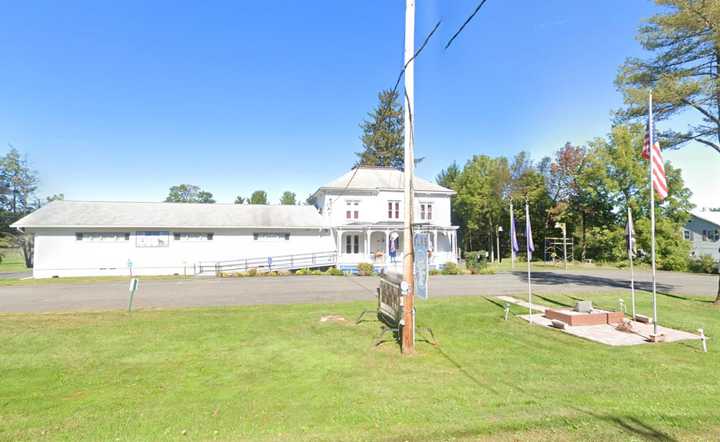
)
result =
(499, 255)
(563, 226)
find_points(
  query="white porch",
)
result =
(373, 244)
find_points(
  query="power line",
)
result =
(422, 46)
(465, 24)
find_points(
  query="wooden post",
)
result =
(408, 335)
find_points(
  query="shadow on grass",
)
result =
(464, 371)
(552, 301)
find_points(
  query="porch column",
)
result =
(367, 243)
(339, 243)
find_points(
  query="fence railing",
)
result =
(270, 263)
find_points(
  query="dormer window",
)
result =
(352, 209)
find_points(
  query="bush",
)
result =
(365, 269)
(315, 272)
(252, 272)
(451, 269)
(334, 271)
(435, 272)
(476, 261)
(302, 272)
(704, 264)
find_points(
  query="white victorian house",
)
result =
(365, 210)
(356, 219)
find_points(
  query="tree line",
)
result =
(589, 188)
(189, 193)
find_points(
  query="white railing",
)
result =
(269, 263)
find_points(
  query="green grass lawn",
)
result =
(12, 261)
(277, 373)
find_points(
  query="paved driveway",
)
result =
(306, 289)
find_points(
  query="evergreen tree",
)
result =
(239, 200)
(382, 137)
(683, 71)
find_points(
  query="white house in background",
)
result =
(703, 232)
(365, 209)
(356, 218)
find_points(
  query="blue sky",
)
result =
(121, 100)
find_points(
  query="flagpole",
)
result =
(529, 259)
(630, 255)
(512, 227)
(651, 130)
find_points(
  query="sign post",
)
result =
(134, 283)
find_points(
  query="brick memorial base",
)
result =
(595, 317)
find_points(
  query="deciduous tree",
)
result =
(259, 197)
(188, 193)
(288, 198)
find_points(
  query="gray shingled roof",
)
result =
(381, 178)
(169, 215)
(713, 217)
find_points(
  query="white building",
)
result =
(365, 208)
(354, 220)
(703, 232)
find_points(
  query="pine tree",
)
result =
(382, 136)
(683, 71)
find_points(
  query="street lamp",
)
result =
(559, 225)
(499, 231)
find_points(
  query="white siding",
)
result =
(58, 252)
(373, 207)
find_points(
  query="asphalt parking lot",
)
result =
(205, 292)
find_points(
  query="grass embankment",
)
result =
(12, 261)
(278, 373)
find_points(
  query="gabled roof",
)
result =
(711, 217)
(381, 178)
(97, 214)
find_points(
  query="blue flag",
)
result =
(513, 233)
(528, 231)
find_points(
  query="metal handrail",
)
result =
(270, 263)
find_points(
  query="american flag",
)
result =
(659, 181)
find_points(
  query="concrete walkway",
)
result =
(201, 292)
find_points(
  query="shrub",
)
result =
(435, 272)
(315, 272)
(252, 272)
(302, 272)
(483, 271)
(451, 269)
(365, 269)
(334, 271)
(476, 261)
(704, 264)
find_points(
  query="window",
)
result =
(393, 209)
(193, 236)
(688, 235)
(160, 238)
(705, 235)
(271, 236)
(102, 236)
(352, 244)
(717, 235)
(352, 209)
(426, 211)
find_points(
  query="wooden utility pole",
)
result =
(408, 335)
